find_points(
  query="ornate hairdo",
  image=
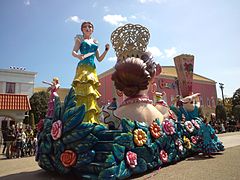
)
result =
(130, 41)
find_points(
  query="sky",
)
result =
(39, 35)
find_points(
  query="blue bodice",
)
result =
(88, 46)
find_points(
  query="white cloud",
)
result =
(27, 2)
(75, 19)
(112, 59)
(152, 1)
(116, 20)
(133, 17)
(155, 51)
(170, 52)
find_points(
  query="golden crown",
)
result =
(130, 40)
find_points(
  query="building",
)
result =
(16, 87)
(167, 81)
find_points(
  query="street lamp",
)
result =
(221, 87)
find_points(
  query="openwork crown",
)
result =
(130, 40)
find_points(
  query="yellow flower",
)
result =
(139, 137)
(187, 142)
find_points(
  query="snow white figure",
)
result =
(86, 81)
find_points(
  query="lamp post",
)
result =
(221, 87)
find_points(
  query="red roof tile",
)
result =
(14, 102)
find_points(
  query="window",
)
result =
(10, 87)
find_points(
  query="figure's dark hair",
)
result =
(133, 74)
(86, 22)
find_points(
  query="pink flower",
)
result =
(195, 123)
(40, 125)
(189, 126)
(163, 156)
(131, 159)
(56, 130)
(179, 145)
(194, 139)
(168, 127)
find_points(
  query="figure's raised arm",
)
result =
(100, 58)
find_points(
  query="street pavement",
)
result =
(222, 166)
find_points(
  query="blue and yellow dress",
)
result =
(209, 141)
(86, 82)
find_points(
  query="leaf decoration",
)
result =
(141, 166)
(76, 135)
(109, 173)
(47, 126)
(69, 101)
(76, 118)
(61, 169)
(110, 161)
(141, 125)
(45, 163)
(83, 145)
(127, 125)
(46, 145)
(85, 158)
(98, 128)
(123, 172)
(119, 151)
(125, 139)
(57, 108)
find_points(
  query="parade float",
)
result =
(67, 143)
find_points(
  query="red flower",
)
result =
(155, 130)
(68, 158)
(131, 159)
(194, 139)
(56, 130)
(163, 156)
(40, 125)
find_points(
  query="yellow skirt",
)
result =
(86, 84)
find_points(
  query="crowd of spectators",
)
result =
(18, 141)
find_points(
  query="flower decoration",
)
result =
(194, 139)
(40, 125)
(163, 156)
(179, 145)
(140, 137)
(195, 124)
(155, 130)
(131, 159)
(68, 158)
(168, 127)
(56, 130)
(189, 126)
(187, 142)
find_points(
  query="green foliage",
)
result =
(39, 104)
(236, 112)
(220, 113)
(236, 98)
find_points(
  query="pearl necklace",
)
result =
(137, 99)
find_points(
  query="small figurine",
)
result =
(54, 86)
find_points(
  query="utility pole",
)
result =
(221, 87)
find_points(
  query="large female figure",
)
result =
(86, 81)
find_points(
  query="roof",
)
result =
(167, 71)
(14, 102)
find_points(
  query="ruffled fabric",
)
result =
(86, 83)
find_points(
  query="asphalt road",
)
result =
(223, 166)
